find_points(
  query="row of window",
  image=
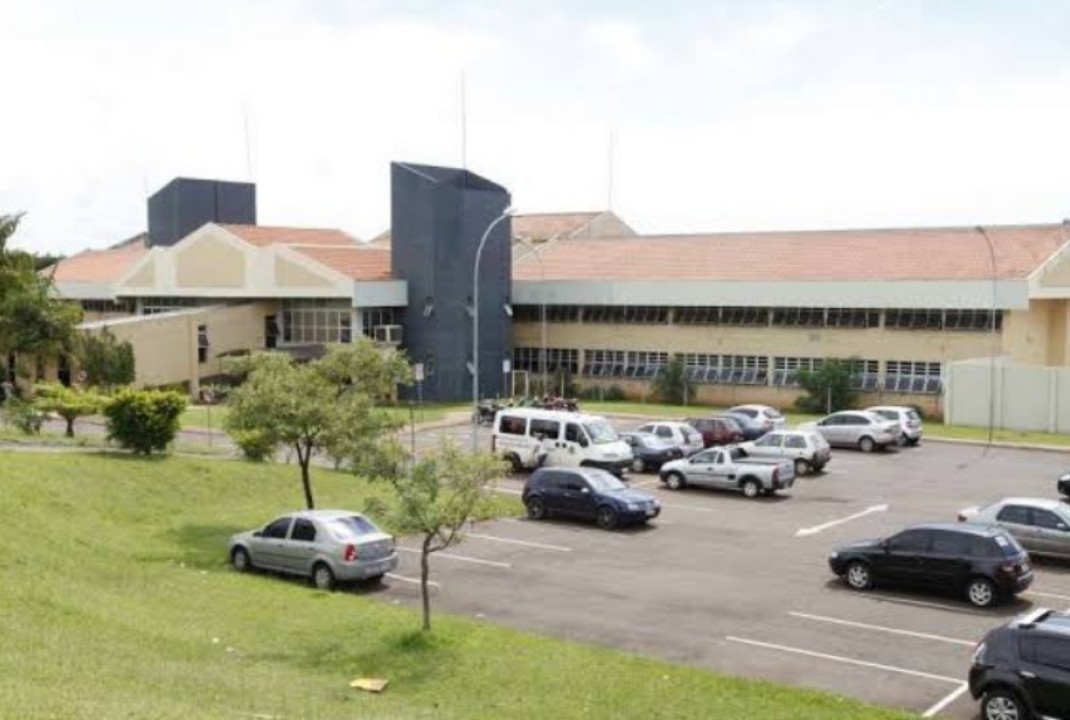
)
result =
(898, 319)
(317, 321)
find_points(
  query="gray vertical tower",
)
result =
(438, 216)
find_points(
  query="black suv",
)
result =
(1063, 484)
(587, 493)
(984, 562)
(1022, 669)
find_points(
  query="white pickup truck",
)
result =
(729, 468)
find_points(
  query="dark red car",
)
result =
(717, 430)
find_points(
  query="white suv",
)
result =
(910, 427)
(680, 434)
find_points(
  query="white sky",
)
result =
(727, 115)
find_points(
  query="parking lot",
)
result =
(732, 584)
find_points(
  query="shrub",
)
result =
(144, 420)
(674, 385)
(24, 416)
(256, 445)
(614, 393)
(828, 387)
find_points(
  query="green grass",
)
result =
(97, 441)
(932, 429)
(116, 603)
(213, 416)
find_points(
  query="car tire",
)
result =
(638, 465)
(675, 481)
(867, 445)
(803, 467)
(751, 488)
(913, 442)
(858, 575)
(536, 508)
(607, 518)
(515, 466)
(1002, 703)
(240, 560)
(323, 577)
(981, 592)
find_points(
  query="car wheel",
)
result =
(240, 560)
(323, 577)
(802, 467)
(675, 481)
(1003, 704)
(751, 488)
(858, 576)
(536, 508)
(607, 517)
(912, 442)
(515, 466)
(981, 592)
(638, 465)
(867, 444)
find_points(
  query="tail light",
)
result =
(1008, 568)
(350, 552)
(776, 474)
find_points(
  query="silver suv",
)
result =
(328, 546)
(908, 419)
(858, 428)
(808, 450)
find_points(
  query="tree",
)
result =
(106, 362)
(144, 420)
(69, 403)
(674, 386)
(436, 498)
(327, 405)
(829, 387)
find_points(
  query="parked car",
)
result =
(649, 452)
(858, 428)
(1021, 669)
(680, 434)
(1042, 526)
(587, 493)
(729, 468)
(768, 417)
(327, 546)
(528, 438)
(1063, 484)
(807, 450)
(986, 563)
(752, 428)
(908, 419)
(717, 430)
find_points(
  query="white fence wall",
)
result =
(1027, 397)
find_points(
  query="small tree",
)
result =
(674, 386)
(436, 498)
(106, 362)
(144, 420)
(829, 387)
(69, 403)
(327, 405)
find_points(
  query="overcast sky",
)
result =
(727, 115)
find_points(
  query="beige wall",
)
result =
(1036, 336)
(212, 262)
(290, 274)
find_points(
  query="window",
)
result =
(799, 317)
(852, 318)
(303, 530)
(156, 305)
(950, 543)
(1047, 520)
(1052, 651)
(202, 343)
(910, 541)
(769, 440)
(351, 526)
(975, 320)
(319, 321)
(795, 442)
(1015, 514)
(557, 359)
(663, 431)
(573, 433)
(513, 425)
(547, 428)
(912, 376)
(277, 529)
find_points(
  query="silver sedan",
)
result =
(1042, 526)
(327, 546)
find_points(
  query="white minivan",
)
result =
(528, 437)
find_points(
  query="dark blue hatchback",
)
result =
(587, 493)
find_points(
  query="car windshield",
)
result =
(600, 431)
(913, 415)
(771, 413)
(604, 481)
(1008, 544)
(351, 527)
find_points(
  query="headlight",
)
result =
(633, 506)
(833, 555)
(1064, 477)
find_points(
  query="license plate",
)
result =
(650, 513)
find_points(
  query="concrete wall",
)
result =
(1013, 396)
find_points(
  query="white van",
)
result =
(521, 435)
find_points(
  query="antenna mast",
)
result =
(464, 124)
(609, 180)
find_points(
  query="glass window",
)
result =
(352, 526)
(600, 432)
(795, 442)
(945, 542)
(513, 425)
(547, 428)
(1052, 651)
(303, 530)
(770, 440)
(910, 541)
(278, 528)
(572, 433)
(664, 431)
(1047, 520)
(1015, 514)
(704, 457)
(645, 428)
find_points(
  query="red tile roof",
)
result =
(543, 226)
(878, 255)
(358, 263)
(260, 235)
(98, 266)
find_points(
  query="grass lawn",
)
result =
(212, 416)
(932, 429)
(116, 602)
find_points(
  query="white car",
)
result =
(680, 434)
(807, 449)
(909, 421)
(768, 417)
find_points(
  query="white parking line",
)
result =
(510, 491)
(844, 660)
(923, 603)
(462, 558)
(415, 581)
(686, 507)
(1056, 596)
(881, 628)
(645, 483)
(525, 543)
(947, 700)
(804, 532)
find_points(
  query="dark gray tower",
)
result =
(438, 216)
(185, 204)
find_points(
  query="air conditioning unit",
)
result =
(388, 334)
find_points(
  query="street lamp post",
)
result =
(994, 339)
(475, 326)
(542, 315)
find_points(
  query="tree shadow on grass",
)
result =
(406, 658)
(203, 546)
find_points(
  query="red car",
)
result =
(717, 430)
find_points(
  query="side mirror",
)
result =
(583, 442)
(1063, 527)
(585, 490)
